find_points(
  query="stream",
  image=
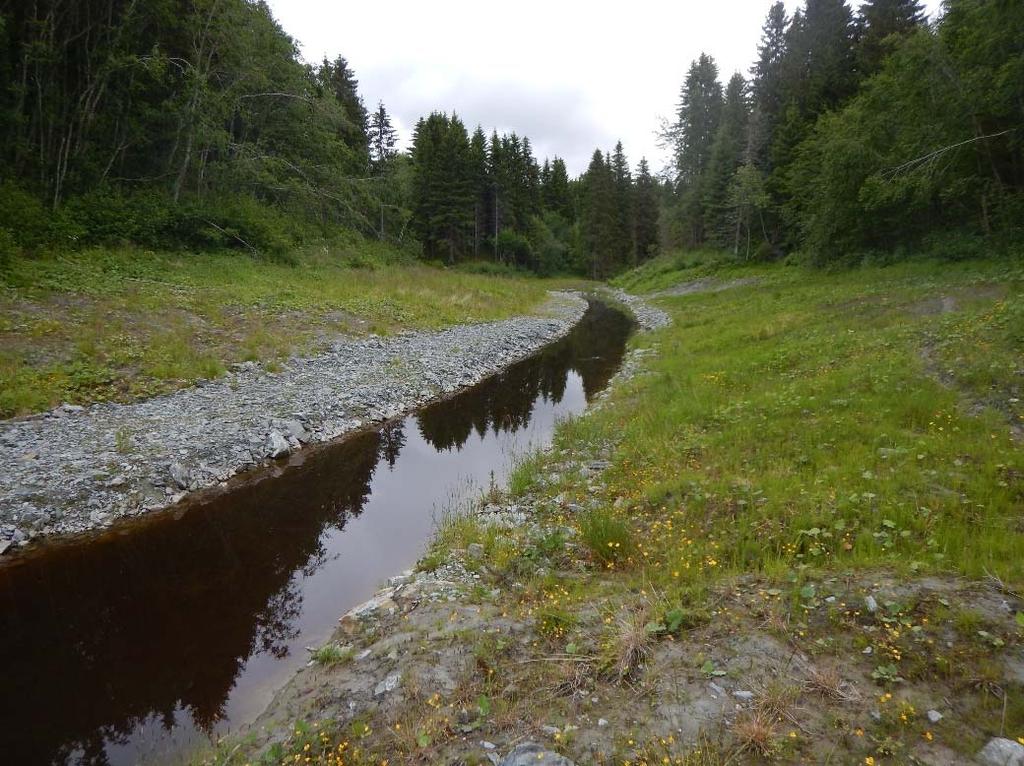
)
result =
(139, 644)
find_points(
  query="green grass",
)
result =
(124, 323)
(332, 654)
(831, 421)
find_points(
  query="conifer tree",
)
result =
(699, 113)
(557, 194)
(766, 88)
(623, 246)
(645, 212)
(598, 220)
(726, 157)
(442, 185)
(700, 105)
(881, 24)
(338, 78)
(481, 187)
(382, 138)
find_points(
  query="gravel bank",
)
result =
(75, 469)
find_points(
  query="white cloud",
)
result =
(572, 76)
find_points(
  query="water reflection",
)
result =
(134, 645)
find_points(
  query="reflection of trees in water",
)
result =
(165, 617)
(505, 402)
(392, 439)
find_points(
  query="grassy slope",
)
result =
(121, 324)
(796, 446)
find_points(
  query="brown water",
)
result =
(137, 645)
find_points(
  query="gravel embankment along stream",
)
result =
(75, 469)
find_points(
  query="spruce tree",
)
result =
(339, 79)
(645, 212)
(766, 88)
(699, 113)
(623, 246)
(598, 217)
(443, 186)
(481, 187)
(557, 194)
(726, 157)
(382, 139)
(881, 24)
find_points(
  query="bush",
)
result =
(514, 248)
(23, 216)
(8, 249)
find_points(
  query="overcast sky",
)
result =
(570, 75)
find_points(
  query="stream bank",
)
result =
(76, 469)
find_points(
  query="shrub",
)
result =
(514, 248)
(23, 216)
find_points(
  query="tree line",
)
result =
(861, 133)
(197, 125)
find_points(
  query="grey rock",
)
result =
(475, 551)
(743, 695)
(4, 545)
(934, 716)
(1002, 752)
(180, 475)
(871, 604)
(277, 445)
(295, 430)
(390, 682)
(532, 754)
(602, 722)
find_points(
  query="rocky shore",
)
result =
(75, 469)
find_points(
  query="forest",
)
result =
(867, 133)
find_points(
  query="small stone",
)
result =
(475, 550)
(4, 545)
(277, 445)
(716, 688)
(934, 716)
(532, 754)
(391, 682)
(179, 475)
(296, 430)
(487, 745)
(1002, 752)
(602, 722)
(871, 604)
(743, 695)
(551, 730)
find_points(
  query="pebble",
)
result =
(934, 716)
(871, 604)
(391, 682)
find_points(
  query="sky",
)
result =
(573, 76)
